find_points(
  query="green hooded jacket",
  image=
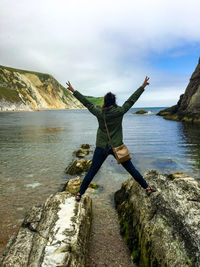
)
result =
(113, 116)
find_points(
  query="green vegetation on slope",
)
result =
(9, 95)
(12, 95)
(39, 74)
(97, 101)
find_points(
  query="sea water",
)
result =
(36, 147)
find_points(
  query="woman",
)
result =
(114, 115)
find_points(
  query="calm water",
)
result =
(36, 147)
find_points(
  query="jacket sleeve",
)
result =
(90, 106)
(132, 99)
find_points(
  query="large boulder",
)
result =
(53, 234)
(187, 108)
(162, 229)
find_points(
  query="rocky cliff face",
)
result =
(188, 106)
(161, 229)
(26, 90)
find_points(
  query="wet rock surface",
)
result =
(85, 146)
(141, 111)
(162, 229)
(81, 153)
(78, 166)
(53, 234)
(73, 186)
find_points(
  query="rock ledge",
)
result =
(53, 234)
(162, 229)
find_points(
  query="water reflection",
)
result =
(191, 135)
(156, 143)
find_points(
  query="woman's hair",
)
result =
(109, 100)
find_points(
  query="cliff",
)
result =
(188, 106)
(161, 229)
(27, 90)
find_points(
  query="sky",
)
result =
(103, 46)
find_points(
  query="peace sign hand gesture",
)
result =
(70, 88)
(145, 83)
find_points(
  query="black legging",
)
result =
(100, 154)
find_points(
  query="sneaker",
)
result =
(150, 189)
(78, 196)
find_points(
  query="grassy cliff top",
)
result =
(40, 74)
(97, 101)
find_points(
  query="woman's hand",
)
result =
(70, 88)
(145, 83)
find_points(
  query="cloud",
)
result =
(101, 45)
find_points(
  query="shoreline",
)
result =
(1, 111)
(49, 109)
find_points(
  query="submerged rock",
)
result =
(81, 153)
(164, 164)
(85, 146)
(177, 175)
(78, 166)
(141, 111)
(53, 234)
(162, 229)
(187, 108)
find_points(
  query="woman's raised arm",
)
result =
(134, 97)
(70, 88)
(89, 105)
